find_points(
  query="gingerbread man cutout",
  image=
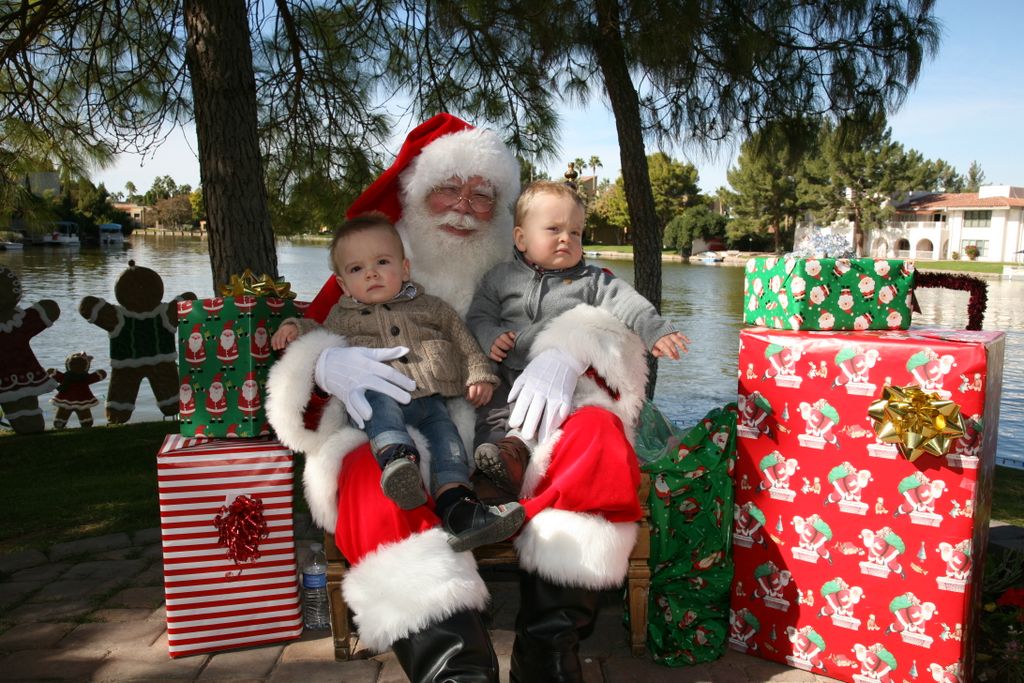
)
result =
(22, 378)
(74, 397)
(143, 341)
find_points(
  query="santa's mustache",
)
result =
(461, 221)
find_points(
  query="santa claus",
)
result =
(195, 349)
(407, 588)
(249, 396)
(186, 401)
(227, 344)
(216, 399)
(259, 343)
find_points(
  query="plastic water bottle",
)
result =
(316, 611)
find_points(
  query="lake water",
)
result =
(705, 301)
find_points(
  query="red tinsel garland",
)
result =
(977, 288)
(241, 527)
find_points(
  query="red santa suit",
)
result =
(579, 490)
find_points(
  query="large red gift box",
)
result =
(852, 560)
(222, 596)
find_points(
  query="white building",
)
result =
(933, 226)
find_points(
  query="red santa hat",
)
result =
(250, 376)
(228, 325)
(217, 379)
(440, 148)
(196, 329)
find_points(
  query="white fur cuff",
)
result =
(576, 549)
(405, 587)
(289, 387)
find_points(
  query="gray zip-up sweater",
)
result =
(520, 297)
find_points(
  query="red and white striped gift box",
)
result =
(214, 603)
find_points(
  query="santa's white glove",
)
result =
(348, 372)
(542, 395)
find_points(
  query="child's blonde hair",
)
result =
(364, 223)
(539, 187)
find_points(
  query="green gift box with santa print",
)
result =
(224, 357)
(828, 293)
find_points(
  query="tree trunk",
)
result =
(858, 234)
(219, 60)
(647, 231)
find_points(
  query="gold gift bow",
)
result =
(916, 421)
(264, 285)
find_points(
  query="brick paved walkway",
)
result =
(93, 610)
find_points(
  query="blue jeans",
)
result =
(429, 414)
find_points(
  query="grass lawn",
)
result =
(63, 486)
(963, 266)
(72, 484)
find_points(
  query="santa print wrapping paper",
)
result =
(224, 357)
(851, 560)
(213, 602)
(828, 293)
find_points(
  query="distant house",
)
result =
(933, 226)
(136, 211)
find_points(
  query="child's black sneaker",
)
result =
(401, 480)
(471, 524)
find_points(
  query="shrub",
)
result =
(972, 251)
(955, 255)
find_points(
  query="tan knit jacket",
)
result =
(443, 356)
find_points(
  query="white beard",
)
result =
(449, 266)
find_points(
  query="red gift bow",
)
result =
(241, 527)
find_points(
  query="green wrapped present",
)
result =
(828, 293)
(691, 505)
(224, 356)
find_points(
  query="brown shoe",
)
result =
(504, 463)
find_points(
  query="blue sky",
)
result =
(967, 105)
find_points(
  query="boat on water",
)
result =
(59, 233)
(709, 257)
(11, 246)
(111, 234)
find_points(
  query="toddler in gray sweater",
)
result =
(546, 277)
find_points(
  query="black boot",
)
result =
(470, 523)
(456, 650)
(551, 623)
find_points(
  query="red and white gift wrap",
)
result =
(214, 603)
(868, 565)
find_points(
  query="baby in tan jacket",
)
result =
(381, 308)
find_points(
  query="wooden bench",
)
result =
(638, 581)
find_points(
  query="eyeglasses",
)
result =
(450, 196)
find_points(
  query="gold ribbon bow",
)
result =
(916, 421)
(264, 285)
